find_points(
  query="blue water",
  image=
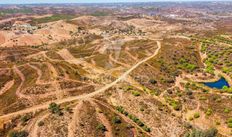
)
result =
(218, 84)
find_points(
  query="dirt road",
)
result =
(81, 97)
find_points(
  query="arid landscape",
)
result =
(159, 69)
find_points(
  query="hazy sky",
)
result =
(82, 1)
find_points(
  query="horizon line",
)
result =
(160, 1)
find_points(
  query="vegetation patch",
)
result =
(101, 127)
(201, 133)
(229, 123)
(133, 118)
(55, 109)
(52, 18)
(18, 134)
(196, 115)
(174, 103)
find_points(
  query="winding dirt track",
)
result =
(84, 97)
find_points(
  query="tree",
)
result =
(209, 112)
(147, 129)
(196, 115)
(55, 109)
(116, 120)
(101, 127)
(25, 118)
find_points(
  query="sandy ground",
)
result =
(85, 96)
(51, 32)
(2, 38)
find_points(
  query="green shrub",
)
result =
(140, 123)
(184, 64)
(175, 104)
(152, 81)
(202, 98)
(25, 118)
(125, 113)
(229, 120)
(176, 107)
(191, 118)
(101, 127)
(196, 115)
(147, 129)
(41, 123)
(128, 88)
(135, 119)
(55, 109)
(116, 120)
(209, 112)
(135, 93)
(120, 109)
(227, 110)
(210, 69)
(141, 109)
(227, 89)
(229, 125)
(154, 92)
(217, 123)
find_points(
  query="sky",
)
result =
(83, 1)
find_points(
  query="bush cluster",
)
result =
(133, 118)
(55, 109)
(199, 133)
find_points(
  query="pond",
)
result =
(218, 84)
